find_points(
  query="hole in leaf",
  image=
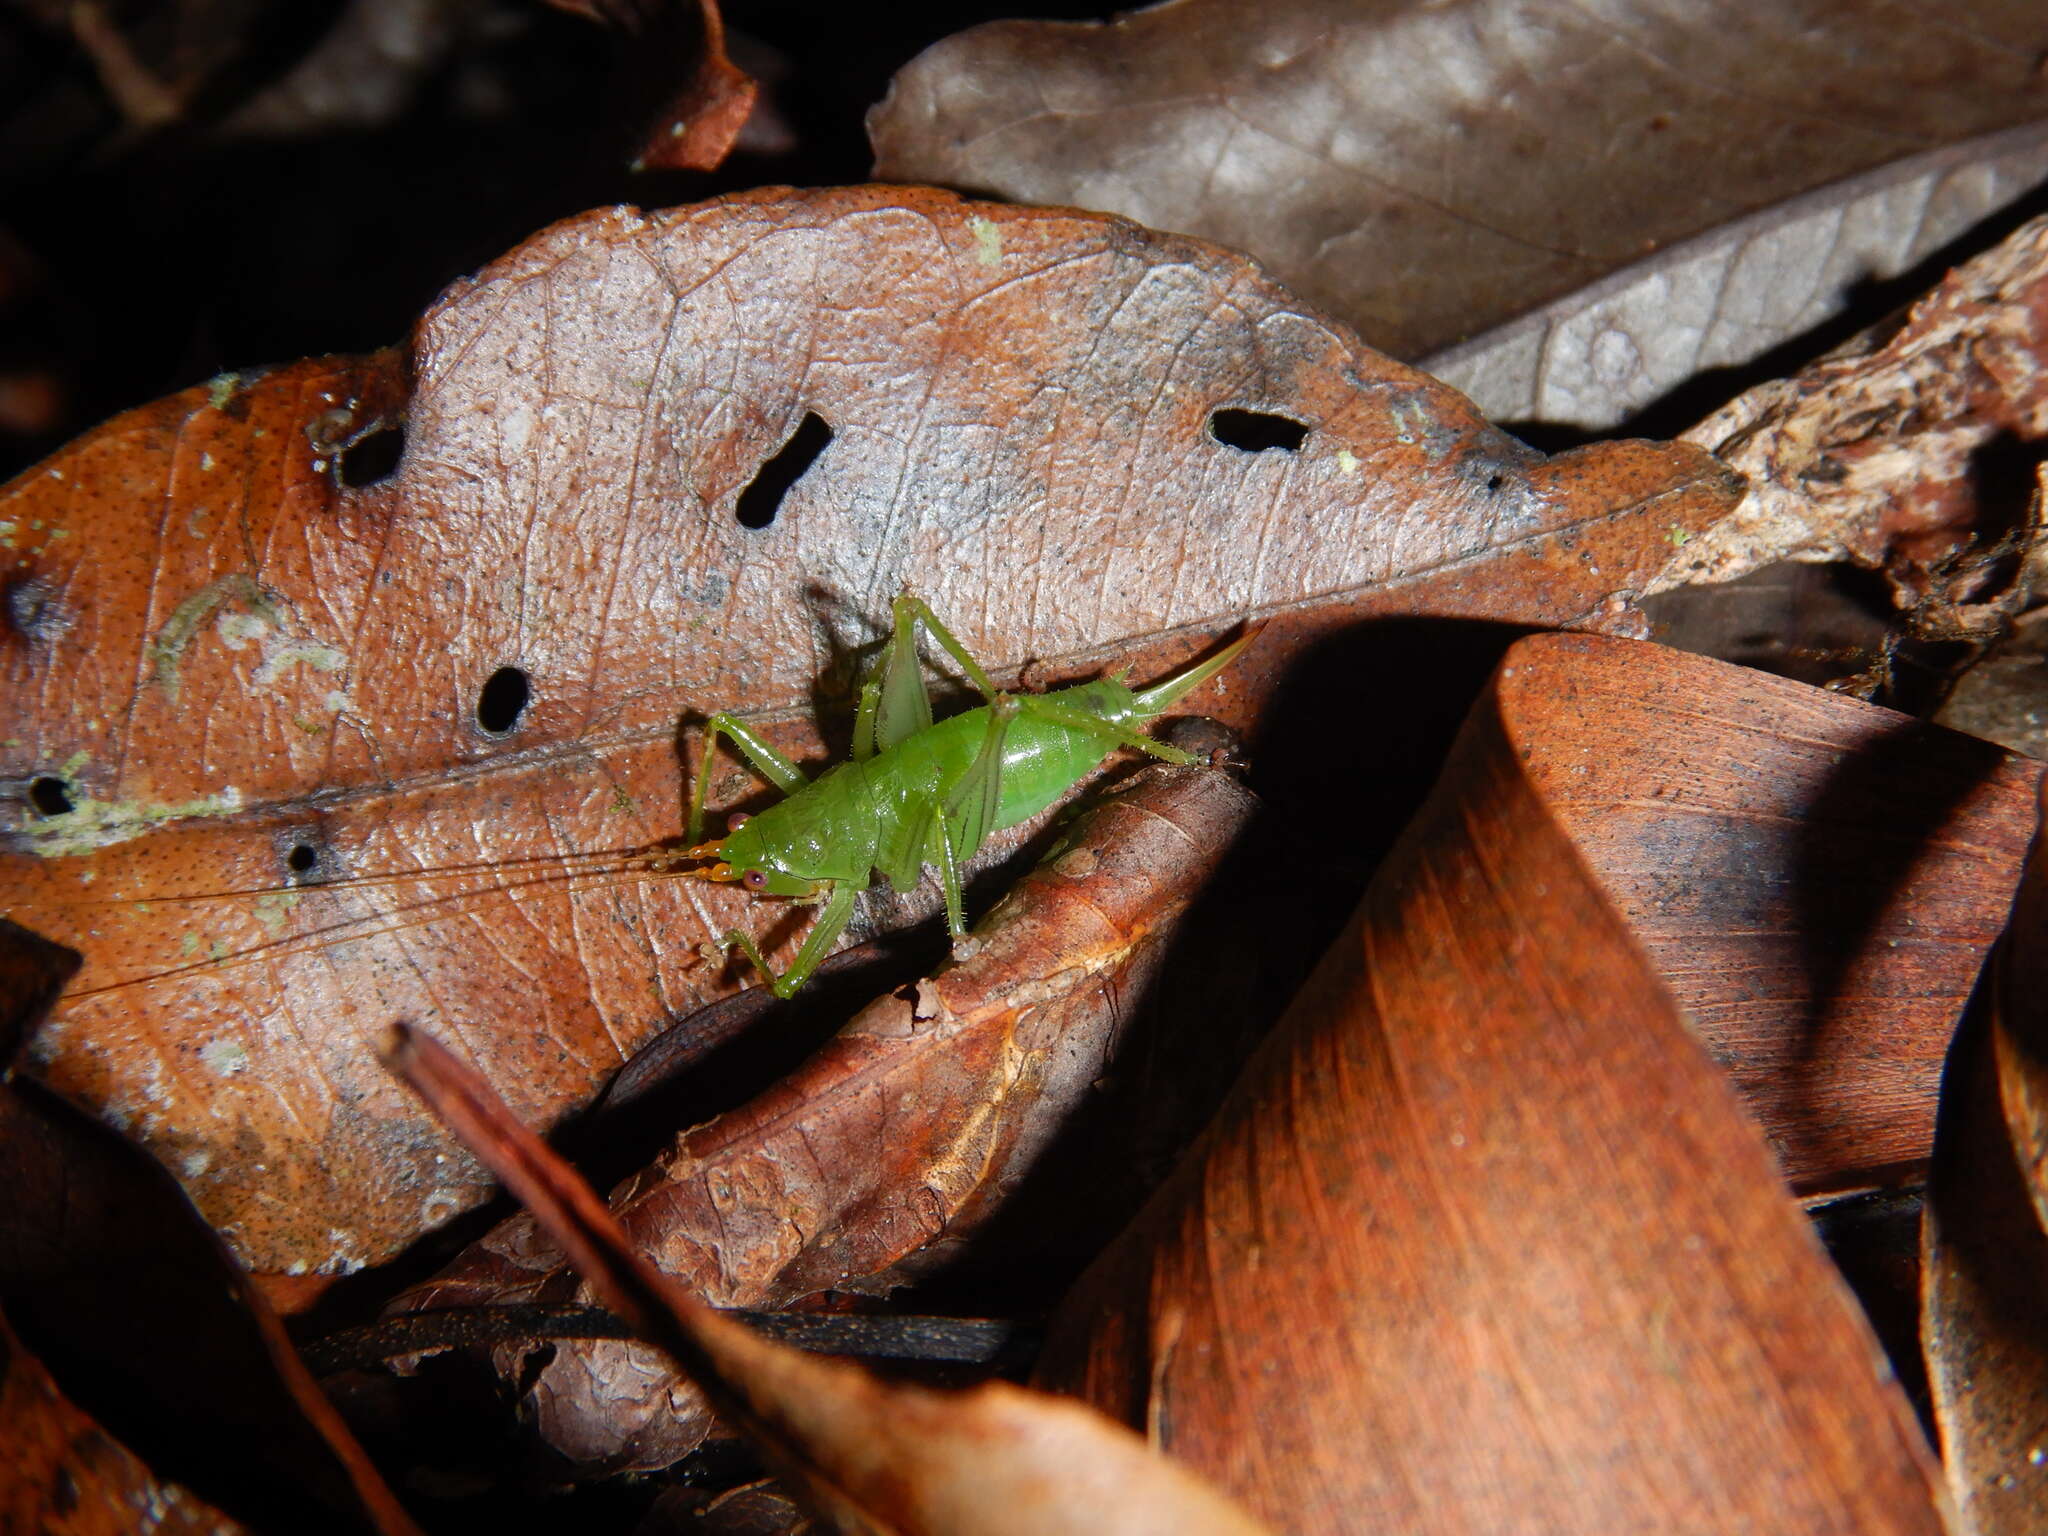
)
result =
(1256, 431)
(502, 701)
(303, 859)
(762, 498)
(372, 457)
(50, 795)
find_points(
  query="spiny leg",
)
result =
(1103, 730)
(817, 943)
(771, 765)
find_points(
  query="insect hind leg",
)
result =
(1106, 731)
(894, 703)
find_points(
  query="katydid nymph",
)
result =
(917, 793)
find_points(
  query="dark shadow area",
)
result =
(1354, 736)
(118, 1287)
(1874, 1239)
(1865, 831)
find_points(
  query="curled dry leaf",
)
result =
(1596, 357)
(252, 669)
(897, 1141)
(698, 126)
(1887, 453)
(1427, 172)
(1984, 1327)
(101, 1252)
(1817, 881)
(993, 1461)
(62, 1475)
(103, 1257)
(1484, 1241)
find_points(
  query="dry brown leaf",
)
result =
(256, 678)
(1887, 453)
(869, 1456)
(894, 1144)
(1594, 358)
(1817, 881)
(101, 1252)
(62, 1475)
(1428, 172)
(1984, 1326)
(701, 120)
(104, 1258)
(1484, 1241)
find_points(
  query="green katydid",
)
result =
(916, 793)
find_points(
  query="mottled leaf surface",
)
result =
(249, 647)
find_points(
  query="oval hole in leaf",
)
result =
(372, 457)
(303, 859)
(1256, 431)
(50, 795)
(502, 701)
(762, 498)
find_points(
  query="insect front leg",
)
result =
(771, 765)
(817, 943)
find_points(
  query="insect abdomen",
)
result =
(1042, 759)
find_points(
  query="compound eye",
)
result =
(737, 820)
(754, 880)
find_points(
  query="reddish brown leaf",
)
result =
(867, 1455)
(1484, 1242)
(696, 130)
(222, 639)
(1984, 1325)
(102, 1254)
(1428, 172)
(62, 1475)
(894, 1144)
(1816, 880)
(1889, 453)
(700, 127)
